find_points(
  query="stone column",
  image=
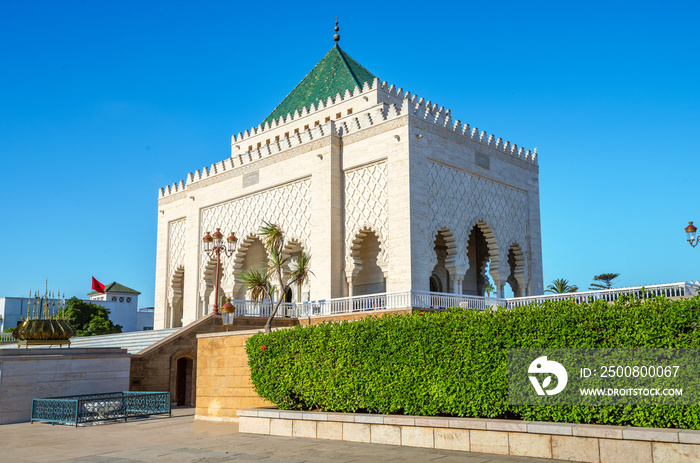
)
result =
(326, 214)
(501, 289)
(456, 279)
(401, 231)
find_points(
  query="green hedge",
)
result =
(455, 363)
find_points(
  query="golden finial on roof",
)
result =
(336, 37)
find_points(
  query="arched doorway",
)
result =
(435, 284)
(183, 378)
(482, 256)
(368, 276)
(516, 273)
(254, 257)
(440, 275)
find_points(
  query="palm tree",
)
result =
(300, 272)
(258, 282)
(606, 278)
(273, 240)
(272, 236)
(561, 286)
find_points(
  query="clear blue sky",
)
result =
(105, 102)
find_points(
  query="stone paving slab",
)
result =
(182, 439)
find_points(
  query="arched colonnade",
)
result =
(470, 268)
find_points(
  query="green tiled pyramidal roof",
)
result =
(335, 73)
(115, 287)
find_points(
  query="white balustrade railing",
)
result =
(262, 309)
(343, 305)
(611, 295)
(7, 337)
(430, 300)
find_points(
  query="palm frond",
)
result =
(561, 286)
(300, 268)
(272, 236)
(258, 282)
(276, 259)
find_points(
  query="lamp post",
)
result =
(214, 246)
(690, 231)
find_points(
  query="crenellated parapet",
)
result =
(304, 112)
(386, 102)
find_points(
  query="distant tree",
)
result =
(489, 289)
(603, 281)
(561, 286)
(88, 319)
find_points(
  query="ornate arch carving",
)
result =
(452, 249)
(517, 269)
(353, 261)
(492, 246)
(175, 294)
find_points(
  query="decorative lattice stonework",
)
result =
(288, 206)
(457, 200)
(366, 199)
(176, 251)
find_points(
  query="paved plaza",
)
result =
(181, 439)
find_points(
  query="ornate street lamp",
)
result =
(690, 231)
(227, 313)
(214, 246)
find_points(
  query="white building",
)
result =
(386, 191)
(123, 304)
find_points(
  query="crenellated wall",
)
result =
(390, 103)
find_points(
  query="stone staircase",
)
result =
(133, 342)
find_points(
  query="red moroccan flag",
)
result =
(97, 286)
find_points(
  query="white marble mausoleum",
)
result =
(385, 190)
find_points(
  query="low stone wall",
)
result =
(573, 442)
(223, 376)
(27, 374)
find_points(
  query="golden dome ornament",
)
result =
(45, 323)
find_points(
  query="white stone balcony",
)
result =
(403, 300)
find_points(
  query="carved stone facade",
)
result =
(176, 270)
(288, 206)
(384, 190)
(458, 201)
(366, 203)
